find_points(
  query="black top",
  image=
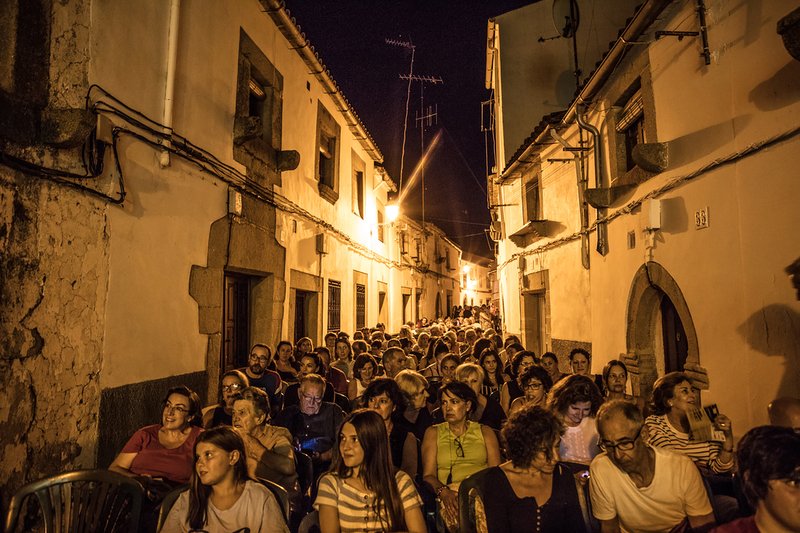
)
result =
(506, 513)
(221, 418)
(424, 421)
(397, 441)
(514, 391)
(493, 414)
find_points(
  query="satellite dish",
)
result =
(566, 17)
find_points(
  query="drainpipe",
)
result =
(169, 93)
(602, 241)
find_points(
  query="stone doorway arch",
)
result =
(650, 285)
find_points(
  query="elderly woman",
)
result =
(549, 362)
(164, 451)
(532, 487)
(310, 363)
(456, 449)
(365, 368)
(384, 396)
(535, 383)
(269, 448)
(232, 382)
(493, 380)
(344, 357)
(581, 362)
(576, 400)
(519, 363)
(674, 396)
(415, 391)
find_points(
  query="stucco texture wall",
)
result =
(54, 265)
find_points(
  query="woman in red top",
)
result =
(163, 452)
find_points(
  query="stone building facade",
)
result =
(650, 219)
(177, 183)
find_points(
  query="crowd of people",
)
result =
(391, 426)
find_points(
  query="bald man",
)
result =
(785, 412)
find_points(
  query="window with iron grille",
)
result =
(334, 305)
(361, 306)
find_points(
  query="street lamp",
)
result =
(392, 210)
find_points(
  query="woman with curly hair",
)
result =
(576, 400)
(535, 383)
(532, 487)
(223, 496)
(361, 492)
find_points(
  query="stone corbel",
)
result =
(652, 157)
(288, 160)
(246, 129)
(789, 30)
(605, 197)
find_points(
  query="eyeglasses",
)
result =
(533, 386)
(261, 358)
(314, 399)
(459, 447)
(174, 408)
(623, 446)
(234, 387)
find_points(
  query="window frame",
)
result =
(358, 186)
(327, 128)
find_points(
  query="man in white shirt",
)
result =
(636, 488)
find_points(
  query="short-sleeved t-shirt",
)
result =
(256, 509)
(155, 460)
(356, 509)
(677, 491)
(269, 382)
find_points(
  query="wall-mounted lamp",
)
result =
(392, 211)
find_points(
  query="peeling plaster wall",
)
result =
(54, 265)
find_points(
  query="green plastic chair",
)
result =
(100, 501)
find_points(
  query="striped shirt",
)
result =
(704, 454)
(356, 508)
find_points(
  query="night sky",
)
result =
(450, 43)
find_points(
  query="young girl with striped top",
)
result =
(361, 492)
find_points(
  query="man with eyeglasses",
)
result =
(260, 376)
(313, 423)
(635, 487)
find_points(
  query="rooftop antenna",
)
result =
(404, 44)
(431, 116)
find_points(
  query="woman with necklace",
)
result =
(456, 449)
(361, 492)
(674, 396)
(532, 491)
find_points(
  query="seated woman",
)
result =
(456, 449)
(384, 396)
(223, 496)
(535, 383)
(160, 456)
(284, 362)
(310, 363)
(493, 381)
(532, 487)
(362, 492)
(415, 391)
(549, 362)
(674, 397)
(615, 378)
(519, 363)
(232, 383)
(269, 448)
(334, 376)
(344, 357)
(581, 362)
(488, 412)
(576, 399)
(365, 368)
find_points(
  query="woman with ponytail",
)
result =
(223, 497)
(362, 472)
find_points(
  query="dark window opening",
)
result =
(334, 305)
(361, 306)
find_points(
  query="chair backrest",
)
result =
(342, 401)
(469, 492)
(96, 500)
(305, 470)
(280, 494)
(167, 503)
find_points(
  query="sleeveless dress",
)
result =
(459, 457)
